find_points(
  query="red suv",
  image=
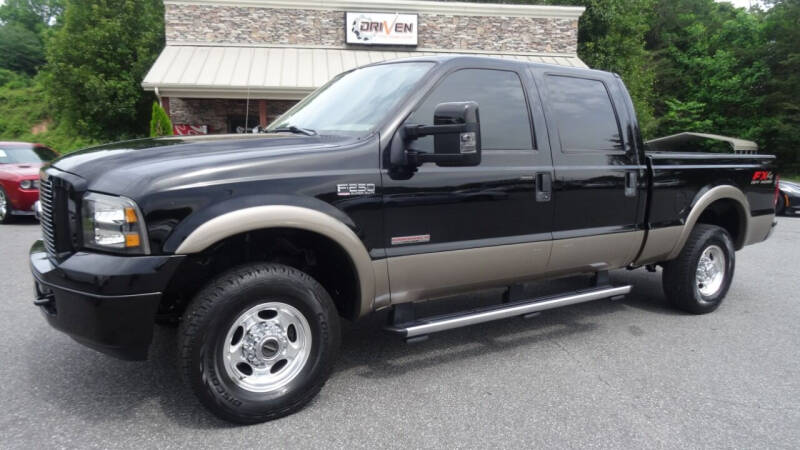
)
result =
(19, 177)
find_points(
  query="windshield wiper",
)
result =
(294, 129)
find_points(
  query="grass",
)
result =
(23, 105)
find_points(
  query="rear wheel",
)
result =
(259, 342)
(5, 207)
(698, 279)
(780, 207)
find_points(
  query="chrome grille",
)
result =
(46, 199)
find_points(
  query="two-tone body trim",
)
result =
(284, 216)
(703, 201)
(425, 276)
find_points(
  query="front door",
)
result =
(451, 229)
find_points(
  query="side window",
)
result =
(583, 113)
(505, 124)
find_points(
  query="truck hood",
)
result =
(130, 167)
(26, 170)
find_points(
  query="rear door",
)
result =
(597, 171)
(451, 228)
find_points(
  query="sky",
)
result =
(742, 3)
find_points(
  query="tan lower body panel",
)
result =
(430, 275)
(593, 253)
(659, 244)
(382, 294)
(662, 243)
(434, 275)
(759, 228)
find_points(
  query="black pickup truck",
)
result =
(394, 184)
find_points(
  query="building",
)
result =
(227, 61)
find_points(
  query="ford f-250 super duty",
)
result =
(394, 184)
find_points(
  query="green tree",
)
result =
(34, 15)
(710, 70)
(611, 36)
(685, 116)
(96, 62)
(21, 49)
(24, 27)
(160, 125)
(781, 131)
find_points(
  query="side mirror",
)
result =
(456, 132)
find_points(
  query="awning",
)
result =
(290, 73)
(681, 141)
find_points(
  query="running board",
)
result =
(425, 326)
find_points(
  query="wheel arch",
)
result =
(725, 206)
(287, 217)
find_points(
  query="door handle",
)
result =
(544, 187)
(631, 184)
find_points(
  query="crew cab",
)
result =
(394, 184)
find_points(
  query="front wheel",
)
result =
(259, 342)
(698, 279)
(780, 207)
(5, 207)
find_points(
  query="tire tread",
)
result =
(678, 276)
(197, 315)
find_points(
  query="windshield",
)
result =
(26, 155)
(356, 101)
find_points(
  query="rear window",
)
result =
(584, 114)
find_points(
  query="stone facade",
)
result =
(447, 30)
(218, 114)
(269, 26)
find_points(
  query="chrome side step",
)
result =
(426, 326)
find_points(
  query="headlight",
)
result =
(114, 224)
(26, 184)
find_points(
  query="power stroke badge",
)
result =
(350, 189)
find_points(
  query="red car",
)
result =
(19, 177)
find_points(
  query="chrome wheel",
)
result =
(3, 205)
(267, 346)
(710, 271)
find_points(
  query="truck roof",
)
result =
(477, 59)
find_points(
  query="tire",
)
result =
(780, 207)
(5, 207)
(292, 311)
(700, 291)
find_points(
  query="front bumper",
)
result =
(22, 201)
(793, 208)
(105, 302)
(792, 203)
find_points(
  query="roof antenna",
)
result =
(247, 111)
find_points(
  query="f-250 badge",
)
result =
(346, 190)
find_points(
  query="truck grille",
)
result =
(46, 199)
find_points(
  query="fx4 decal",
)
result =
(762, 177)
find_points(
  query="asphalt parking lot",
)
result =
(632, 373)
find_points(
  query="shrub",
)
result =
(160, 125)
